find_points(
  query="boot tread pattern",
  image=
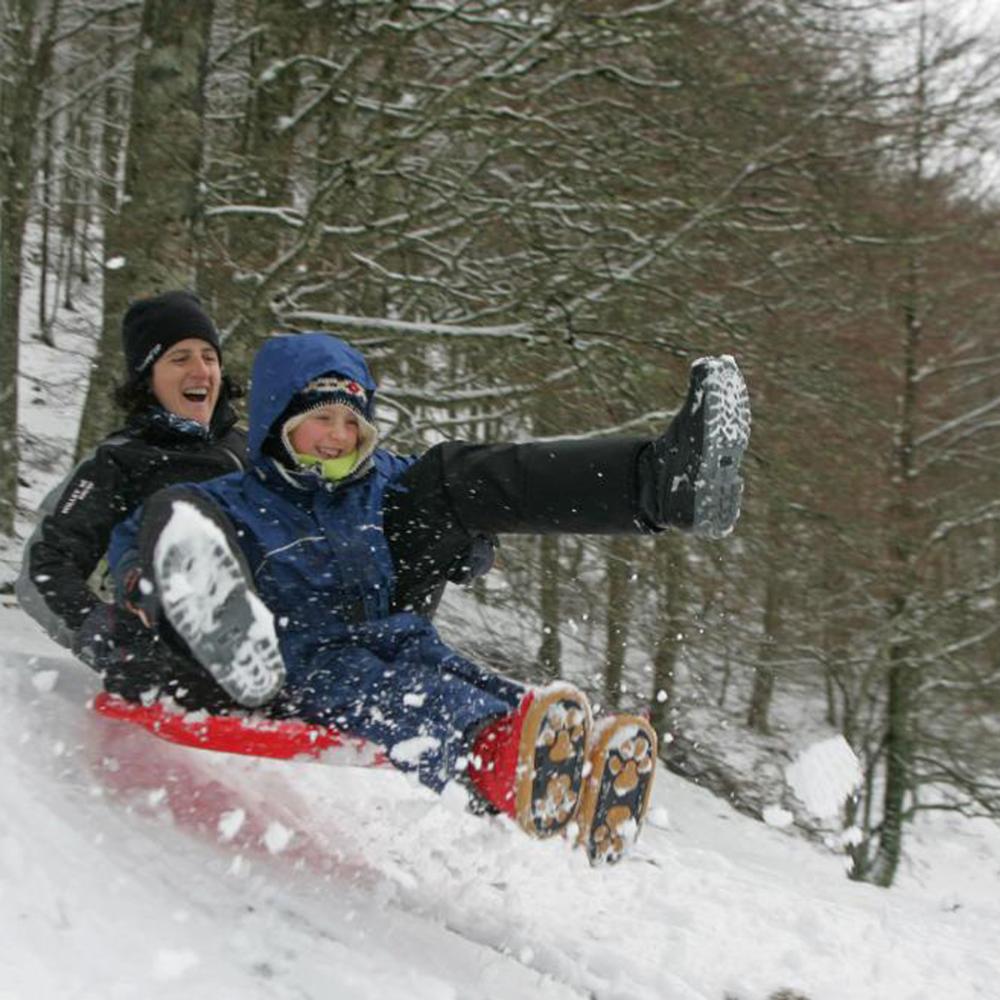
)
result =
(552, 756)
(726, 435)
(226, 626)
(616, 794)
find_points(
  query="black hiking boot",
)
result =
(689, 477)
(204, 591)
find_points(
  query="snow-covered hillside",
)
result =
(130, 868)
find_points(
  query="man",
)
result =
(180, 427)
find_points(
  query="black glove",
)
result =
(477, 560)
(112, 639)
(135, 592)
(110, 636)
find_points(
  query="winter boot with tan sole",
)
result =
(529, 764)
(551, 759)
(622, 759)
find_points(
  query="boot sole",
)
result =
(552, 754)
(205, 597)
(616, 793)
(725, 438)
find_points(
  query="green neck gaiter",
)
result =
(333, 469)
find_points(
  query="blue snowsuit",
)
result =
(321, 563)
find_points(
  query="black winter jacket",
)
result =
(154, 450)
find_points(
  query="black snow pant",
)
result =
(457, 493)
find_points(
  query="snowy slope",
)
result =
(132, 868)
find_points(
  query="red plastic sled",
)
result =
(282, 739)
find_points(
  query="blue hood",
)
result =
(285, 365)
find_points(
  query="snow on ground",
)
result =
(824, 775)
(134, 868)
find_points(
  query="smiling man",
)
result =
(187, 378)
(180, 428)
(174, 355)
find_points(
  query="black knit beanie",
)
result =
(152, 326)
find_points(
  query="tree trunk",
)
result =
(550, 648)
(727, 674)
(11, 229)
(670, 569)
(24, 68)
(762, 692)
(903, 671)
(618, 550)
(72, 214)
(240, 291)
(899, 751)
(44, 265)
(149, 243)
(904, 539)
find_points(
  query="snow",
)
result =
(173, 964)
(410, 751)
(824, 776)
(131, 867)
(778, 817)
(277, 837)
(230, 823)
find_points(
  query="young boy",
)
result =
(283, 581)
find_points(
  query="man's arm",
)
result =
(68, 543)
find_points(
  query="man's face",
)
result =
(187, 378)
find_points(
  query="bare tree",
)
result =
(150, 244)
(27, 42)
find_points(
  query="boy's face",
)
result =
(329, 432)
(187, 378)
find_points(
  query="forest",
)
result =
(534, 216)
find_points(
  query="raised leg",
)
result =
(204, 591)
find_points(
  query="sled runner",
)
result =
(281, 739)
